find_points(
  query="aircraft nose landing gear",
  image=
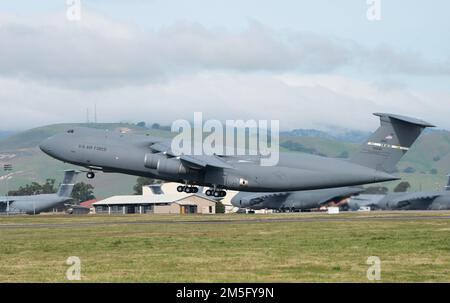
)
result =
(90, 175)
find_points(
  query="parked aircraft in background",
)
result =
(38, 203)
(433, 200)
(297, 200)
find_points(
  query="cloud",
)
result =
(385, 60)
(98, 53)
(52, 70)
(297, 101)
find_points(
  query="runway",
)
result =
(253, 220)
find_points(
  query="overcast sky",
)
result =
(310, 64)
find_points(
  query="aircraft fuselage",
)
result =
(126, 153)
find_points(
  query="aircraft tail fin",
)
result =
(66, 187)
(447, 187)
(390, 142)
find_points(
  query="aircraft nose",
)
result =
(233, 202)
(236, 201)
(46, 146)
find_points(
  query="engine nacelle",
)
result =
(151, 160)
(174, 167)
(168, 166)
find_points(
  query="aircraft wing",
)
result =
(331, 194)
(193, 161)
(7, 199)
(162, 147)
(416, 196)
(256, 198)
(329, 198)
(203, 161)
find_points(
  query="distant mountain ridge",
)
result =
(350, 136)
(5, 134)
(347, 136)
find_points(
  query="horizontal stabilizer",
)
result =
(405, 119)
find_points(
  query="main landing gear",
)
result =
(187, 189)
(193, 190)
(216, 193)
(90, 175)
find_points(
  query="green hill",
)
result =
(429, 158)
(32, 137)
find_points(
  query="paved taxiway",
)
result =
(277, 218)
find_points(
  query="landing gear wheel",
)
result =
(223, 193)
(209, 192)
(195, 190)
(90, 175)
(180, 189)
(217, 194)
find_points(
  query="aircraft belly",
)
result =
(31, 205)
(441, 203)
(266, 179)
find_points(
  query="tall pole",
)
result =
(95, 113)
(7, 168)
(7, 197)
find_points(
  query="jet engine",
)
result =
(171, 167)
(151, 160)
(167, 166)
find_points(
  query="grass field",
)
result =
(316, 248)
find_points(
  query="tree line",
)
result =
(382, 190)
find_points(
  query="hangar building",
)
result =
(171, 187)
(154, 201)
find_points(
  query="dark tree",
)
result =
(409, 170)
(295, 146)
(83, 192)
(141, 124)
(49, 187)
(376, 190)
(220, 208)
(142, 181)
(35, 189)
(402, 187)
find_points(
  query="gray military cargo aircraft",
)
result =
(296, 200)
(433, 200)
(38, 203)
(148, 156)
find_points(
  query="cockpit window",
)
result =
(70, 131)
